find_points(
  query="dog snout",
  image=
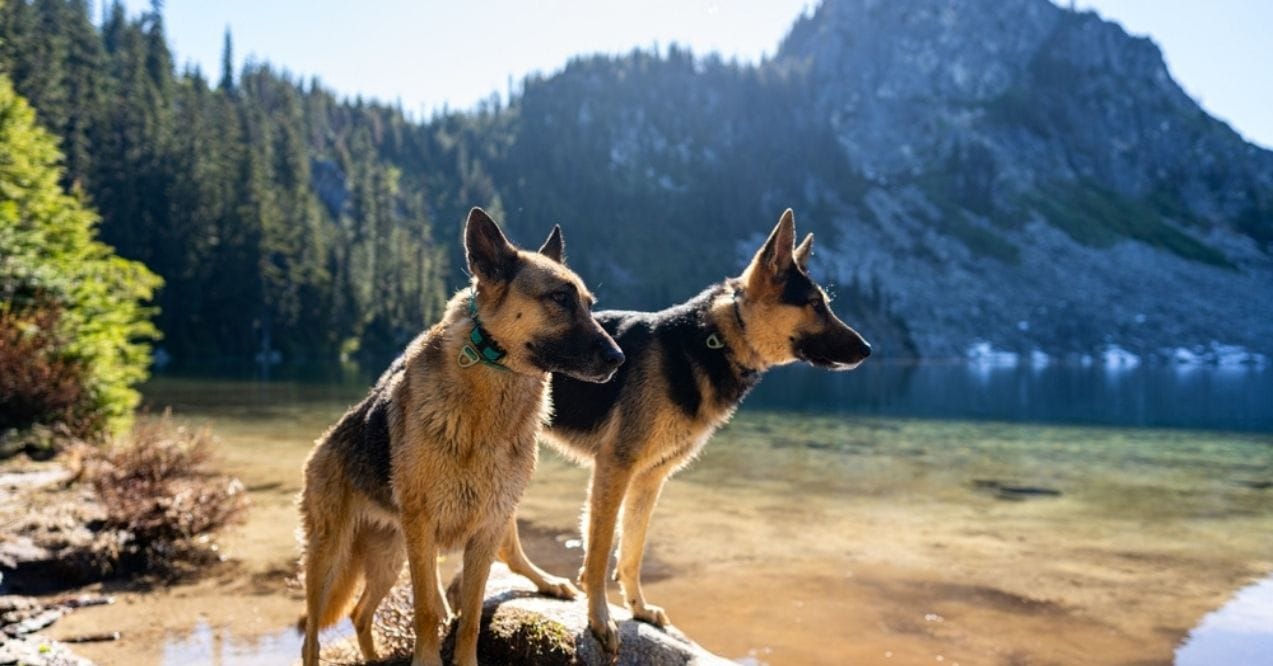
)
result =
(611, 355)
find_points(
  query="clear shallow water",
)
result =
(827, 525)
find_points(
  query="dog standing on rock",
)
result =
(438, 454)
(688, 368)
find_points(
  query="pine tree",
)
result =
(227, 64)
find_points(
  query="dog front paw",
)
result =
(560, 588)
(651, 614)
(606, 633)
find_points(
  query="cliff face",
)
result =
(1036, 179)
(996, 171)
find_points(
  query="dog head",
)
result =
(535, 307)
(787, 315)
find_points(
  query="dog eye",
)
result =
(560, 297)
(819, 306)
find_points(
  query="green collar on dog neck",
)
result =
(481, 346)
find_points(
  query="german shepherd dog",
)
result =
(688, 368)
(438, 454)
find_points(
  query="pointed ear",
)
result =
(555, 247)
(490, 255)
(774, 258)
(803, 250)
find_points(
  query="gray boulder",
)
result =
(521, 627)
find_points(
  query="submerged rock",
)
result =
(519, 626)
(1010, 491)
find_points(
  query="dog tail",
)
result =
(339, 601)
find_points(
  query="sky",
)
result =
(427, 54)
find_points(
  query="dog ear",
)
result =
(802, 253)
(490, 255)
(775, 257)
(555, 247)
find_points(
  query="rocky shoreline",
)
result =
(43, 517)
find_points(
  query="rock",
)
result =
(34, 622)
(21, 617)
(51, 540)
(37, 651)
(1009, 491)
(521, 627)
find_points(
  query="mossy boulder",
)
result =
(519, 626)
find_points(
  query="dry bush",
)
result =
(159, 488)
(39, 382)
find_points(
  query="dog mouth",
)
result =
(594, 378)
(831, 353)
(830, 364)
(597, 372)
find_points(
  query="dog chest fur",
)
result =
(457, 444)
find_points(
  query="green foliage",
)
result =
(1258, 224)
(962, 189)
(1095, 216)
(51, 261)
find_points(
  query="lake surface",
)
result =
(899, 514)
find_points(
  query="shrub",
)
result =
(158, 487)
(38, 382)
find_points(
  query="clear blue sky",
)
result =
(426, 53)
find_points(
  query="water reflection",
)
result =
(1240, 632)
(1233, 398)
(1212, 398)
(221, 647)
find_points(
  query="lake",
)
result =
(898, 514)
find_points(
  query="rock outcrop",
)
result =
(522, 627)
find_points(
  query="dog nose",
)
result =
(866, 349)
(612, 355)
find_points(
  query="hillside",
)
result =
(1000, 172)
(976, 170)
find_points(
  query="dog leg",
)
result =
(382, 557)
(478, 554)
(328, 580)
(637, 507)
(605, 494)
(430, 610)
(511, 553)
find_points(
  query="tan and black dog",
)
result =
(688, 368)
(438, 454)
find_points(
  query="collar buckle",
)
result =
(468, 357)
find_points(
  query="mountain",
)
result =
(981, 175)
(995, 171)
